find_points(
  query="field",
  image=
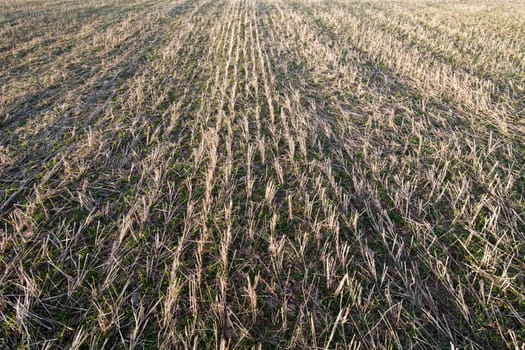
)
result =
(230, 174)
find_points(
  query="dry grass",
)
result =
(262, 174)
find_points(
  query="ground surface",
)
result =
(270, 174)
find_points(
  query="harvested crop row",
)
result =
(261, 174)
